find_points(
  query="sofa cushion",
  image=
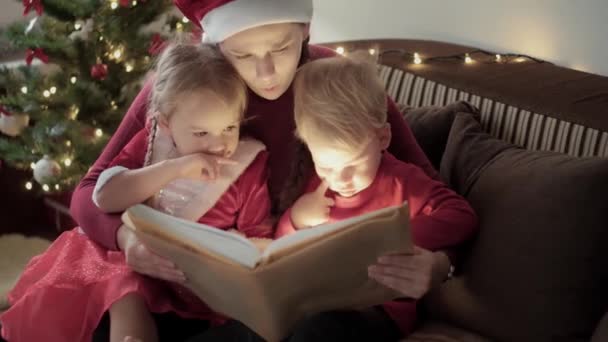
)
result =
(537, 271)
(431, 126)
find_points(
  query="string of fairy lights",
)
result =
(117, 53)
(466, 58)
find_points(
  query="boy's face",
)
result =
(203, 123)
(348, 171)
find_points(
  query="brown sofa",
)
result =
(526, 142)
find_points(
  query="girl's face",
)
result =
(203, 123)
(348, 171)
(267, 57)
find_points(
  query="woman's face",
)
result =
(267, 57)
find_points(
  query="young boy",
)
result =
(340, 114)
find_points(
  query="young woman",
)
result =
(266, 41)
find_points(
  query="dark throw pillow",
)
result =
(537, 270)
(431, 126)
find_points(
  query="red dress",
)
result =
(64, 292)
(439, 217)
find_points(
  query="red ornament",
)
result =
(124, 3)
(157, 45)
(35, 4)
(36, 53)
(99, 71)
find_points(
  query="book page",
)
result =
(203, 237)
(304, 235)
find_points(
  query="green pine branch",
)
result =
(63, 123)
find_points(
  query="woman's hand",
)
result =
(144, 261)
(312, 209)
(412, 274)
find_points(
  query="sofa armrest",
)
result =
(601, 330)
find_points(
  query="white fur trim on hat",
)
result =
(239, 15)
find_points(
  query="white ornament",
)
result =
(85, 32)
(46, 169)
(14, 124)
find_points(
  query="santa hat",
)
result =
(221, 19)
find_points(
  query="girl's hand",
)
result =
(144, 261)
(412, 274)
(201, 166)
(312, 209)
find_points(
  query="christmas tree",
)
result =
(85, 62)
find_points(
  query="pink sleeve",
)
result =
(99, 226)
(403, 143)
(254, 201)
(440, 218)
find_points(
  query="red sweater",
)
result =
(244, 206)
(272, 123)
(439, 218)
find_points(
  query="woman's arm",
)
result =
(99, 226)
(439, 219)
(254, 219)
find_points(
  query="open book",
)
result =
(311, 271)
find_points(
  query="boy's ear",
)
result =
(384, 136)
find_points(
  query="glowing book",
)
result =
(311, 271)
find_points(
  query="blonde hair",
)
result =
(339, 98)
(185, 68)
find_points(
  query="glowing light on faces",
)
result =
(347, 171)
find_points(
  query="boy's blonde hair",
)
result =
(339, 98)
(185, 68)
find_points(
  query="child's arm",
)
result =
(440, 218)
(131, 187)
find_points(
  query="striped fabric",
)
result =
(534, 131)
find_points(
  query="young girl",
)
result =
(190, 163)
(340, 116)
